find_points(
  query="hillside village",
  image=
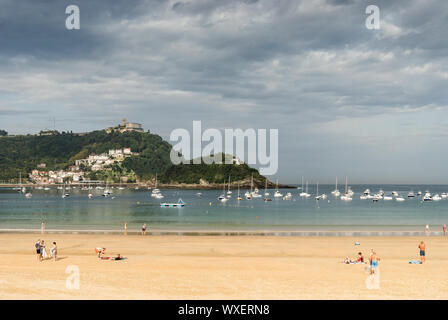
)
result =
(78, 172)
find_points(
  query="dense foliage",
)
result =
(211, 173)
(3, 133)
(22, 154)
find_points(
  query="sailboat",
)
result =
(155, 193)
(254, 193)
(266, 198)
(222, 197)
(302, 194)
(229, 192)
(277, 193)
(346, 196)
(336, 191)
(239, 197)
(305, 194)
(317, 197)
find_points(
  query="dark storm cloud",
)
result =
(341, 95)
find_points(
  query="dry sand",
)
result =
(220, 267)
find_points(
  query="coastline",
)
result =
(232, 233)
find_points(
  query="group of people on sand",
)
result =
(373, 258)
(41, 251)
(143, 228)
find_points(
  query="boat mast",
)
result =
(346, 185)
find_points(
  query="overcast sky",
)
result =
(370, 104)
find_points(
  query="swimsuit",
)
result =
(422, 253)
(374, 264)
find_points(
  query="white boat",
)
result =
(419, 193)
(229, 191)
(223, 197)
(90, 196)
(366, 192)
(427, 197)
(266, 198)
(305, 194)
(350, 192)
(317, 197)
(444, 195)
(437, 197)
(363, 197)
(395, 193)
(388, 198)
(288, 196)
(377, 197)
(411, 194)
(155, 192)
(336, 191)
(346, 196)
(277, 193)
(399, 199)
(28, 195)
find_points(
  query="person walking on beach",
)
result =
(125, 228)
(39, 254)
(144, 229)
(54, 251)
(42, 227)
(422, 247)
(444, 229)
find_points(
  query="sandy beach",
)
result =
(220, 267)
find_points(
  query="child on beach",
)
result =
(54, 251)
(422, 248)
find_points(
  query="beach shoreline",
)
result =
(221, 267)
(233, 232)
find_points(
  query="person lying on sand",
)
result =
(118, 257)
(358, 259)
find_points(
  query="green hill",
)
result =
(22, 154)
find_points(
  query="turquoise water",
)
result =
(136, 207)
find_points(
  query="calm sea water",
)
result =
(136, 207)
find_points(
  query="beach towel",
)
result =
(113, 258)
(415, 262)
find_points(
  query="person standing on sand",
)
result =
(42, 227)
(54, 251)
(373, 262)
(143, 229)
(444, 229)
(427, 230)
(422, 247)
(39, 254)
